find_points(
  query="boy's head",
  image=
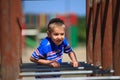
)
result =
(56, 30)
(54, 23)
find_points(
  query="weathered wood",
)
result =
(103, 33)
(97, 33)
(107, 59)
(89, 41)
(10, 39)
(116, 36)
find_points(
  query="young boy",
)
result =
(52, 47)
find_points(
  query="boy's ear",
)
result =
(48, 33)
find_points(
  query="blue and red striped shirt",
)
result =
(49, 51)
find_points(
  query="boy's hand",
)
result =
(75, 64)
(55, 64)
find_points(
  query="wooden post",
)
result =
(106, 31)
(10, 39)
(89, 40)
(97, 33)
(116, 37)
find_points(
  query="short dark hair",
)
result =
(55, 20)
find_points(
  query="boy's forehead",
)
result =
(58, 31)
(56, 25)
(59, 27)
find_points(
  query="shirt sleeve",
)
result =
(39, 53)
(67, 47)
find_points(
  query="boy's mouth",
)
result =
(58, 41)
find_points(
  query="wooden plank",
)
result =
(97, 33)
(116, 36)
(89, 40)
(10, 39)
(106, 31)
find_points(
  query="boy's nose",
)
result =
(60, 37)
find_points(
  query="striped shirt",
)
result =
(49, 51)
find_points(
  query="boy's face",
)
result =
(57, 35)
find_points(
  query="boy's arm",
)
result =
(74, 59)
(45, 62)
(40, 61)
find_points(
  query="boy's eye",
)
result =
(56, 34)
(62, 34)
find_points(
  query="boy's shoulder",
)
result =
(45, 41)
(65, 40)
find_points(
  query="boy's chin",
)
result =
(58, 43)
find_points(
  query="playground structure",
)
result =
(103, 36)
(103, 32)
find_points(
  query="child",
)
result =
(52, 47)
